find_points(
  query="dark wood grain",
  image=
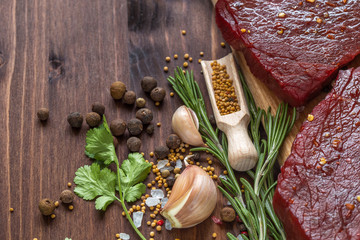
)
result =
(64, 55)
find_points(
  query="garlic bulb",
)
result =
(192, 200)
(185, 124)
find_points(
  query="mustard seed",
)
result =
(186, 56)
(222, 44)
(117, 235)
(158, 228)
(214, 235)
(52, 216)
(167, 59)
(201, 53)
(166, 69)
(152, 234)
(11, 209)
(190, 59)
(183, 32)
(71, 207)
(172, 94)
(185, 64)
(69, 184)
(176, 56)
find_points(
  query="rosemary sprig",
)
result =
(254, 207)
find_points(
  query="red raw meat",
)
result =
(294, 46)
(316, 195)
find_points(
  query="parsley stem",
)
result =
(122, 201)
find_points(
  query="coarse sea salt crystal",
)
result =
(124, 236)
(151, 201)
(157, 193)
(222, 176)
(164, 201)
(162, 163)
(178, 164)
(137, 218)
(168, 225)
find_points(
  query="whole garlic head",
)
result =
(186, 124)
(192, 200)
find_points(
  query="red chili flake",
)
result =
(216, 220)
(291, 201)
(330, 36)
(357, 124)
(330, 4)
(294, 188)
(160, 222)
(315, 143)
(244, 232)
(238, 219)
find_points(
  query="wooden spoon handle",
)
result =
(241, 151)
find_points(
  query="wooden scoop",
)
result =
(241, 151)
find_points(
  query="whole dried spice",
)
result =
(98, 107)
(134, 126)
(129, 97)
(46, 206)
(158, 94)
(117, 90)
(227, 214)
(118, 127)
(144, 115)
(43, 114)
(75, 119)
(150, 129)
(148, 83)
(173, 141)
(140, 103)
(93, 119)
(133, 144)
(161, 152)
(67, 196)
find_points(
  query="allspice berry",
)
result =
(158, 94)
(161, 152)
(98, 107)
(144, 115)
(148, 83)
(227, 214)
(134, 126)
(118, 127)
(43, 114)
(67, 196)
(173, 141)
(93, 119)
(150, 129)
(75, 119)
(117, 90)
(140, 102)
(129, 97)
(134, 144)
(46, 206)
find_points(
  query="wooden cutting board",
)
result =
(265, 98)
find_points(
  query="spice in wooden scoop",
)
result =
(224, 90)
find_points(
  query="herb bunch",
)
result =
(254, 206)
(97, 181)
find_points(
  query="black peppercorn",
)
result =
(67, 196)
(150, 129)
(129, 97)
(75, 119)
(46, 206)
(43, 114)
(98, 108)
(227, 214)
(135, 126)
(145, 115)
(118, 127)
(117, 90)
(173, 141)
(93, 119)
(170, 181)
(148, 84)
(161, 152)
(158, 94)
(212, 120)
(140, 102)
(134, 144)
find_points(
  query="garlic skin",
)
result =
(192, 200)
(186, 124)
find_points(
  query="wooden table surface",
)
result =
(64, 55)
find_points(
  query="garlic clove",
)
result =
(186, 124)
(192, 200)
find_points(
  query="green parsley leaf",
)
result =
(133, 171)
(100, 145)
(91, 182)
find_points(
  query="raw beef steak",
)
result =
(294, 46)
(318, 192)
